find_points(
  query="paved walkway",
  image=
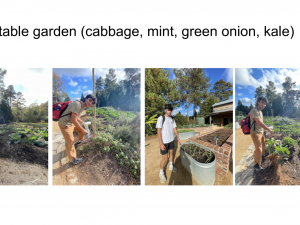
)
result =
(244, 169)
(63, 173)
(242, 143)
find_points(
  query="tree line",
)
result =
(279, 104)
(190, 87)
(123, 95)
(12, 105)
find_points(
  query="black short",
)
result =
(169, 146)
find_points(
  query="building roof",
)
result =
(221, 111)
(223, 102)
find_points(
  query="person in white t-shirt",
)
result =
(165, 127)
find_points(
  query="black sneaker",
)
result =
(258, 168)
(76, 161)
(265, 155)
(79, 142)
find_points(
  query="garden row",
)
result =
(109, 113)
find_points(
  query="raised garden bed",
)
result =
(222, 135)
(199, 161)
(222, 151)
(186, 133)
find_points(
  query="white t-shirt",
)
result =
(167, 129)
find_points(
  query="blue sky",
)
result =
(247, 80)
(79, 80)
(214, 74)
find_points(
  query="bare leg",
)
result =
(163, 161)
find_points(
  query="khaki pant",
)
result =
(259, 143)
(67, 132)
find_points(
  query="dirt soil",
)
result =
(199, 154)
(223, 135)
(182, 177)
(22, 164)
(280, 174)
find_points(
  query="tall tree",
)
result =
(270, 93)
(2, 86)
(288, 92)
(19, 102)
(184, 83)
(82, 97)
(206, 105)
(259, 91)
(10, 93)
(110, 84)
(159, 90)
(58, 89)
(222, 90)
(200, 85)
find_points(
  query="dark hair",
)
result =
(92, 97)
(169, 107)
(262, 98)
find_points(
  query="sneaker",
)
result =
(173, 168)
(265, 155)
(79, 142)
(258, 168)
(163, 178)
(76, 161)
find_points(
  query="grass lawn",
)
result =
(31, 124)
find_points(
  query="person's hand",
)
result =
(179, 140)
(162, 147)
(84, 132)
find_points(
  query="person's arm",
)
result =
(162, 146)
(74, 119)
(175, 131)
(79, 120)
(261, 124)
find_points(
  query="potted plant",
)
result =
(199, 161)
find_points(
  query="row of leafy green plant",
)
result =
(284, 125)
(18, 135)
(109, 113)
(121, 139)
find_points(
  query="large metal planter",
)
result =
(186, 135)
(204, 173)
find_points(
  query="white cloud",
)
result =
(75, 92)
(175, 111)
(228, 74)
(85, 80)
(243, 77)
(85, 87)
(239, 87)
(87, 92)
(33, 83)
(247, 101)
(73, 83)
(74, 99)
(239, 94)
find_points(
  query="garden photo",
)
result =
(188, 126)
(267, 126)
(23, 126)
(96, 126)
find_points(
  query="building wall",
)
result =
(218, 120)
(223, 107)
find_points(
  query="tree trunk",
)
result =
(187, 108)
(194, 112)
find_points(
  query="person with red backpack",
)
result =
(68, 121)
(165, 127)
(257, 132)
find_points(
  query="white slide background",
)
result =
(149, 204)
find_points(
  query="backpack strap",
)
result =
(164, 118)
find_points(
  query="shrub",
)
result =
(229, 126)
(180, 120)
(184, 131)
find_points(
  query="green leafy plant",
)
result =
(289, 141)
(148, 124)
(16, 138)
(184, 131)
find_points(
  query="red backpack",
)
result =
(58, 111)
(245, 124)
